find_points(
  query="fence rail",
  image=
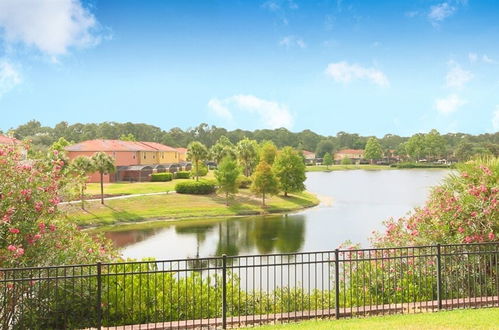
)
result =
(232, 291)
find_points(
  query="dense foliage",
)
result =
(265, 183)
(289, 169)
(459, 145)
(202, 187)
(161, 177)
(464, 209)
(227, 175)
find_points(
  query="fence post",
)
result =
(337, 283)
(224, 291)
(439, 278)
(99, 295)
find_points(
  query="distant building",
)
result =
(355, 155)
(135, 161)
(309, 157)
(182, 154)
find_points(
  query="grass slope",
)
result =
(176, 206)
(486, 318)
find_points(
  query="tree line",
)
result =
(459, 146)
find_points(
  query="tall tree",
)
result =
(223, 148)
(290, 170)
(268, 152)
(264, 181)
(247, 155)
(82, 166)
(104, 164)
(327, 160)
(226, 175)
(196, 153)
(435, 144)
(415, 146)
(128, 137)
(373, 149)
(325, 147)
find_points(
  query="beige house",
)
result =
(355, 155)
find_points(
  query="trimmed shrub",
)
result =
(161, 177)
(346, 161)
(202, 170)
(195, 187)
(183, 175)
(420, 165)
(244, 182)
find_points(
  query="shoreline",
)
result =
(180, 207)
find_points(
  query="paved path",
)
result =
(120, 197)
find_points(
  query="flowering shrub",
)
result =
(33, 232)
(464, 209)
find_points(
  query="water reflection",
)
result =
(357, 203)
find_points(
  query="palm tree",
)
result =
(82, 166)
(104, 164)
(247, 154)
(196, 152)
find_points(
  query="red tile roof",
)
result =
(182, 150)
(351, 151)
(117, 145)
(308, 153)
(8, 140)
(159, 146)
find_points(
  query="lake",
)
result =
(354, 203)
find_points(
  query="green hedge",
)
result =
(420, 165)
(161, 177)
(183, 175)
(195, 187)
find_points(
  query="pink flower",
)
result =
(460, 229)
(41, 226)
(14, 230)
(37, 237)
(52, 227)
(491, 236)
(474, 214)
(468, 239)
(20, 252)
(11, 248)
(38, 206)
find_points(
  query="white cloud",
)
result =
(276, 5)
(50, 26)
(271, 114)
(495, 119)
(9, 77)
(474, 58)
(440, 12)
(292, 41)
(487, 59)
(345, 73)
(457, 77)
(449, 104)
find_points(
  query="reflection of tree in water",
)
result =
(198, 230)
(228, 235)
(284, 233)
(292, 235)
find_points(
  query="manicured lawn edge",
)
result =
(484, 318)
(175, 207)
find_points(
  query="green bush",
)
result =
(346, 161)
(161, 177)
(183, 175)
(420, 165)
(195, 187)
(244, 182)
(202, 170)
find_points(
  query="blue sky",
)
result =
(371, 67)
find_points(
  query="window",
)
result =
(144, 156)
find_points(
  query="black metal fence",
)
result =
(232, 291)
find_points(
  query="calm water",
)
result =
(354, 204)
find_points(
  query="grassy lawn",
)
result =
(486, 318)
(324, 168)
(177, 206)
(125, 188)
